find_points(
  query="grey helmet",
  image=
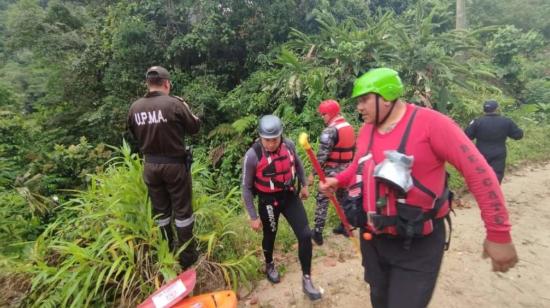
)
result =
(270, 126)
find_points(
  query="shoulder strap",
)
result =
(258, 149)
(289, 147)
(259, 152)
(405, 137)
(337, 136)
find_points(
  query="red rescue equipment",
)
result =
(343, 150)
(172, 292)
(275, 171)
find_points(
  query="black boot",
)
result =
(272, 273)
(340, 230)
(309, 288)
(168, 235)
(189, 255)
(317, 237)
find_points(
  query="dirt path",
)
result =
(465, 279)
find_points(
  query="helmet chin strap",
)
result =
(376, 122)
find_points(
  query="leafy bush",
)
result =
(66, 167)
(19, 226)
(537, 91)
(105, 250)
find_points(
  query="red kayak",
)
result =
(172, 292)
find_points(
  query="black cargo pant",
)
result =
(169, 187)
(399, 277)
(498, 163)
(270, 207)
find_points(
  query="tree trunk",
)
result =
(460, 14)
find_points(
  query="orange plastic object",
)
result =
(220, 299)
(367, 236)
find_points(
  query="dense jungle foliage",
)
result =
(76, 229)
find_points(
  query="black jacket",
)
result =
(159, 122)
(491, 131)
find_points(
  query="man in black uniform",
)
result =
(490, 132)
(159, 122)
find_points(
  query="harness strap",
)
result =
(278, 184)
(348, 149)
(423, 188)
(382, 221)
(341, 161)
(258, 150)
(405, 137)
(272, 174)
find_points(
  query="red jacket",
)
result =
(434, 140)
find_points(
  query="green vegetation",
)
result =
(103, 248)
(76, 227)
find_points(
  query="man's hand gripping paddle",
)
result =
(303, 140)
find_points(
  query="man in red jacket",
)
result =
(397, 181)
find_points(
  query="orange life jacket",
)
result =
(342, 152)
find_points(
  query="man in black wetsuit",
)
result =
(271, 169)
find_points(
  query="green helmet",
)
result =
(382, 81)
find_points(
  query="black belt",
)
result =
(159, 159)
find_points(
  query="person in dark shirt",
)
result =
(159, 122)
(490, 132)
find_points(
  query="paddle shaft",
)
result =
(331, 197)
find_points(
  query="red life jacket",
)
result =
(390, 213)
(275, 171)
(342, 152)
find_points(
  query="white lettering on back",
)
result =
(161, 118)
(149, 117)
(152, 117)
(143, 117)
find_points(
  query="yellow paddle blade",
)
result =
(303, 141)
